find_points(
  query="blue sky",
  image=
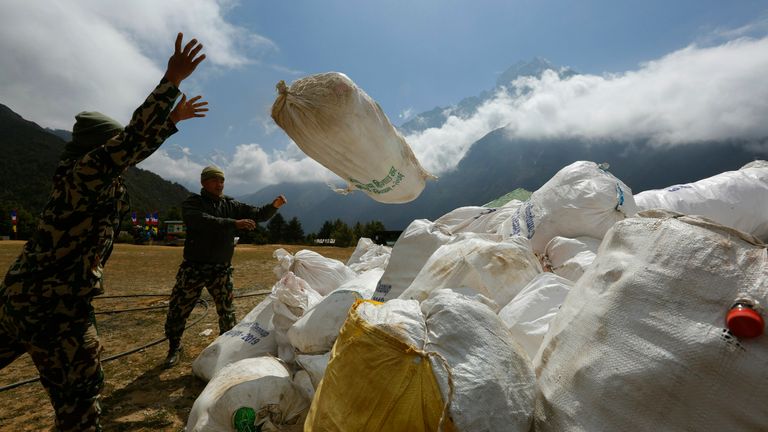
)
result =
(676, 71)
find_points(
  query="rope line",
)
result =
(145, 346)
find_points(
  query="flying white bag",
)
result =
(528, 314)
(291, 298)
(738, 199)
(413, 248)
(262, 384)
(491, 376)
(568, 257)
(253, 336)
(322, 274)
(493, 268)
(318, 328)
(640, 342)
(580, 200)
(335, 123)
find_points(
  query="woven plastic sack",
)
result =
(409, 254)
(738, 199)
(477, 219)
(262, 384)
(487, 376)
(337, 124)
(317, 329)
(322, 274)
(291, 298)
(376, 382)
(253, 336)
(582, 199)
(568, 257)
(528, 314)
(640, 343)
(493, 268)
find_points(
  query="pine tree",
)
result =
(276, 229)
(294, 233)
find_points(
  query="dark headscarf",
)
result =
(92, 129)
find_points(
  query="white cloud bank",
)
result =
(692, 95)
(62, 57)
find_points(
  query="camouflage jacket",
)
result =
(74, 236)
(210, 222)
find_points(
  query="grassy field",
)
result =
(138, 394)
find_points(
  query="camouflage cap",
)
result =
(211, 171)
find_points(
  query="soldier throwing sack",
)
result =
(45, 298)
(212, 220)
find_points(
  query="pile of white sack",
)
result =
(569, 311)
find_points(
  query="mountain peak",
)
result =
(532, 68)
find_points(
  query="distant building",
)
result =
(175, 231)
(387, 238)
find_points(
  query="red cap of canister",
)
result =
(744, 322)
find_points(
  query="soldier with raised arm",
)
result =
(45, 298)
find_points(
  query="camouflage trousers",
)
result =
(60, 336)
(190, 280)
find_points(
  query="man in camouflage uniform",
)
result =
(212, 220)
(45, 298)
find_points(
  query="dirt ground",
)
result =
(138, 394)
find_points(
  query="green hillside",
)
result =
(30, 155)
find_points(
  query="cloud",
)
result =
(691, 95)
(405, 114)
(63, 57)
(247, 171)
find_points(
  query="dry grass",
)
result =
(138, 395)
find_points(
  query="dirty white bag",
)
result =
(322, 274)
(302, 380)
(314, 365)
(493, 268)
(738, 199)
(413, 248)
(400, 318)
(477, 219)
(291, 298)
(364, 244)
(337, 124)
(317, 329)
(492, 380)
(375, 258)
(580, 200)
(640, 342)
(262, 384)
(253, 336)
(528, 314)
(568, 257)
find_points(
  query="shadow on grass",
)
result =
(151, 402)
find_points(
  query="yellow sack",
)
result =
(375, 382)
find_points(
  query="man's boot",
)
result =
(174, 355)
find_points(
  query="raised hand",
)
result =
(187, 109)
(279, 201)
(183, 62)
